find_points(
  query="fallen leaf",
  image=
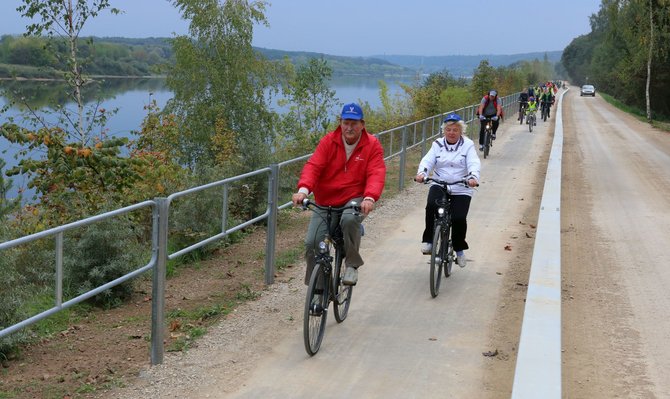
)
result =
(491, 353)
(532, 226)
(528, 235)
(508, 247)
(175, 325)
(499, 274)
(432, 339)
(520, 222)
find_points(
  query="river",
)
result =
(130, 96)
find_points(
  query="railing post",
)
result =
(423, 136)
(158, 283)
(273, 200)
(403, 159)
(59, 269)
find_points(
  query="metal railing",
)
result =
(397, 143)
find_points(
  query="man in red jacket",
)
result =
(347, 165)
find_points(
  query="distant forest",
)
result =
(28, 57)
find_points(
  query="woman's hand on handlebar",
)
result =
(419, 178)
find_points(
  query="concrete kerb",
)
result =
(538, 364)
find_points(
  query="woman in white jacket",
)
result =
(451, 158)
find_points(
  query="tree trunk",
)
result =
(651, 47)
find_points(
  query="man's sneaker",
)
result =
(350, 276)
(426, 248)
(481, 147)
(461, 261)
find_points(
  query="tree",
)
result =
(80, 173)
(483, 80)
(311, 99)
(62, 18)
(219, 84)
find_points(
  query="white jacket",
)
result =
(452, 163)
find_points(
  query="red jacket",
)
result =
(334, 180)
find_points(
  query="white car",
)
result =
(588, 90)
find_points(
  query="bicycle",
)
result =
(325, 283)
(530, 120)
(488, 136)
(522, 111)
(545, 111)
(442, 254)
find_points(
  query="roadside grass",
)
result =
(663, 123)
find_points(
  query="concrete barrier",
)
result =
(538, 364)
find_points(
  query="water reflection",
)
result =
(130, 96)
(43, 94)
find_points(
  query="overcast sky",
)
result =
(368, 27)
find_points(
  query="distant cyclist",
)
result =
(532, 107)
(489, 107)
(523, 102)
(547, 100)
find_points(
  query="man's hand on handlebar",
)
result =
(472, 182)
(419, 178)
(298, 198)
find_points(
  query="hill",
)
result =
(464, 65)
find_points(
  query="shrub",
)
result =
(103, 252)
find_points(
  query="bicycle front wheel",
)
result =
(341, 292)
(487, 144)
(316, 310)
(531, 121)
(436, 260)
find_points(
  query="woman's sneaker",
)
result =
(426, 248)
(350, 276)
(461, 261)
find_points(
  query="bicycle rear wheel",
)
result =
(521, 115)
(316, 310)
(436, 257)
(341, 292)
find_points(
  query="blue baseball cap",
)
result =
(452, 117)
(352, 111)
(493, 93)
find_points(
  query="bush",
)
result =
(103, 252)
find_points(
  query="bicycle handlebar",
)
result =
(463, 181)
(306, 204)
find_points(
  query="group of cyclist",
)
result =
(540, 97)
(348, 167)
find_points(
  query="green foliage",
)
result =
(219, 84)
(28, 274)
(6, 206)
(309, 99)
(103, 252)
(72, 181)
(483, 80)
(615, 54)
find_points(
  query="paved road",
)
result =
(616, 224)
(398, 341)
